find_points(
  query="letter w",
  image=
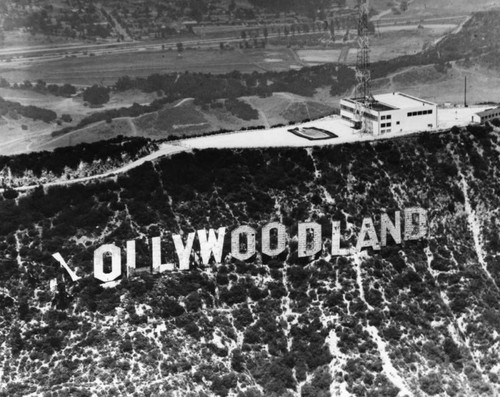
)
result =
(212, 245)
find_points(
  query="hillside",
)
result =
(418, 319)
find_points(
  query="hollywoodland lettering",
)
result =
(108, 258)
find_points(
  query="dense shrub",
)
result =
(32, 112)
(96, 95)
(241, 109)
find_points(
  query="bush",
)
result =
(66, 118)
(32, 112)
(241, 109)
(10, 194)
(96, 95)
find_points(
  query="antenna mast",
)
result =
(465, 92)
(363, 77)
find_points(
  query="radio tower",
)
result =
(364, 97)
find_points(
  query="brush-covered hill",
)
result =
(417, 319)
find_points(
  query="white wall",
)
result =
(410, 123)
(406, 123)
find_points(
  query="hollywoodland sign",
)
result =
(243, 244)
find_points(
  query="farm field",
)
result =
(390, 42)
(106, 69)
(79, 69)
(483, 85)
(437, 8)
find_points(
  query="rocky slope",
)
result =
(417, 319)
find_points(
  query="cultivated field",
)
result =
(426, 82)
(389, 42)
(87, 70)
(435, 8)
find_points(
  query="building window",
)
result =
(397, 122)
(389, 117)
(382, 118)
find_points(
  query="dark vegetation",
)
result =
(206, 87)
(241, 109)
(32, 112)
(215, 188)
(96, 95)
(40, 86)
(71, 157)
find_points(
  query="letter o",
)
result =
(266, 239)
(235, 243)
(116, 263)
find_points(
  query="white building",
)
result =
(486, 115)
(395, 112)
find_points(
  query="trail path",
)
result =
(165, 150)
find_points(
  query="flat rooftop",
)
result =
(379, 107)
(395, 100)
(399, 100)
(487, 112)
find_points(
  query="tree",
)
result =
(96, 95)
(124, 83)
(10, 194)
(180, 48)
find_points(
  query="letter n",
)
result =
(387, 226)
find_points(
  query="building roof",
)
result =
(399, 100)
(487, 112)
(393, 101)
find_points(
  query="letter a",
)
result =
(367, 230)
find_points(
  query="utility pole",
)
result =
(465, 92)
